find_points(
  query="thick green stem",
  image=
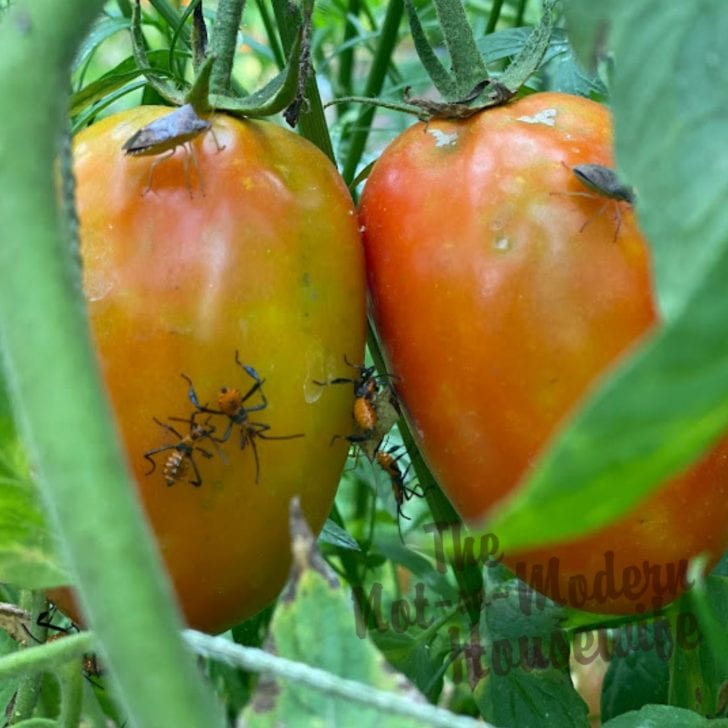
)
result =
(56, 388)
(467, 64)
(70, 679)
(39, 658)
(29, 685)
(375, 82)
(520, 12)
(495, 12)
(224, 43)
(333, 686)
(312, 122)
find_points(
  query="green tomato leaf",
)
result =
(524, 660)
(700, 665)
(335, 535)
(668, 403)
(663, 716)
(313, 624)
(636, 676)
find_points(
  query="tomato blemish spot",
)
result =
(547, 117)
(502, 244)
(442, 139)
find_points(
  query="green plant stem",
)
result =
(29, 684)
(375, 82)
(312, 122)
(56, 389)
(520, 13)
(346, 57)
(271, 32)
(70, 679)
(469, 577)
(49, 656)
(171, 18)
(250, 658)
(467, 63)
(224, 43)
(495, 12)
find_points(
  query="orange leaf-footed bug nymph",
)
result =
(182, 451)
(162, 137)
(232, 404)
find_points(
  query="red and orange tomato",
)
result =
(502, 288)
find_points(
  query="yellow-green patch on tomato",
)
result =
(253, 248)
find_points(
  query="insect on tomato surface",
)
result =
(262, 268)
(501, 291)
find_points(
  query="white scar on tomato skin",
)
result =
(547, 117)
(442, 139)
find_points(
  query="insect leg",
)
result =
(153, 166)
(197, 480)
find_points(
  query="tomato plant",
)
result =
(502, 288)
(239, 263)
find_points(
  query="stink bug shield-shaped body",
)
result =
(162, 137)
(166, 133)
(603, 181)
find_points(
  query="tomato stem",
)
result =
(312, 122)
(224, 43)
(388, 38)
(469, 578)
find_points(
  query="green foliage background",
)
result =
(662, 71)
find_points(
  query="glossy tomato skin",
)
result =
(258, 254)
(501, 291)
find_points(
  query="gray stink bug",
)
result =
(603, 182)
(162, 137)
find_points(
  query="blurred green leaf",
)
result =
(27, 557)
(588, 27)
(663, 407)
(700, 664)
(102, 30)
(636, 676)
(663, 716)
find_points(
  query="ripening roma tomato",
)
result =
(502, 287)
(253, 249)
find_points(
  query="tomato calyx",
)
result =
(283, 93)
(462, 95)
